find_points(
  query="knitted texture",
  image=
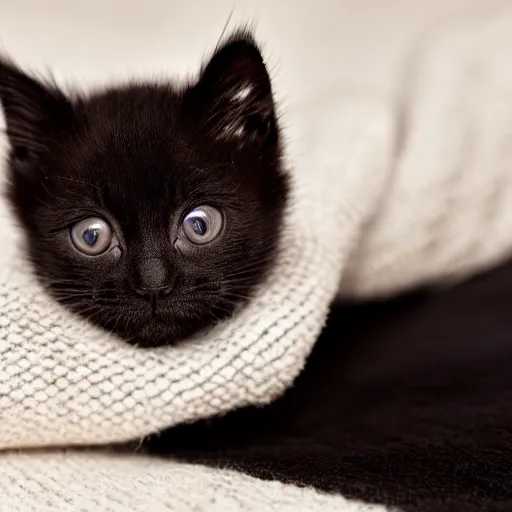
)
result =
(448, 209)
(68, 482)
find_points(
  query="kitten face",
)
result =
(151, 210)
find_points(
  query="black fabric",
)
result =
(405, 403)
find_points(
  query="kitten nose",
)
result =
(153, 293)
(153, 279)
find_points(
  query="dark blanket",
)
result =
(406, 402)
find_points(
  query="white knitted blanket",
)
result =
(381, 202)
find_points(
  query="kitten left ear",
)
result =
(234, 93)
(34, 112)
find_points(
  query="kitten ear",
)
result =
(235, 94)
(34, 112)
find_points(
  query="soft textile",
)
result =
(384, 198)
(98, 482)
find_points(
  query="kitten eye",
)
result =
(202, 225)
(92, 236)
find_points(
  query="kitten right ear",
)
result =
(233, 97)
(34, 112)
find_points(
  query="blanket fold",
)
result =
(447, 212)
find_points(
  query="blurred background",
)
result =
(312, 46)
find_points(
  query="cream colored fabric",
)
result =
(441, 209)
(95, 482)
(447, 211)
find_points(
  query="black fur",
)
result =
(406, 402)
(141, 156)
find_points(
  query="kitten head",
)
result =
(150, 209)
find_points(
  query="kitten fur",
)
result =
(141, 156)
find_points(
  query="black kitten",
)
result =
(152, 210)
